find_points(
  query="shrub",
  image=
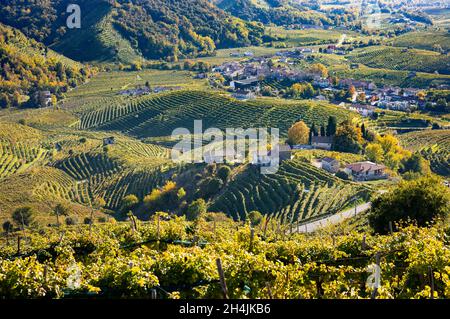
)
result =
(420, 200)
(23, 216)
(255, 217)
(196, 209)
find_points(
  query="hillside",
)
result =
(276, 12)
(28, 67)
(394, 58)
(298, 191)
(433, 145)
(161, 114)
(123, 30)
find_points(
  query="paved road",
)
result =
(333, 219)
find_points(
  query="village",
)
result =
(253, 77)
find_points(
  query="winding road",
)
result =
(333, 219)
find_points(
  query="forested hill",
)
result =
(28, 67)
(124, 30)
(279, 12)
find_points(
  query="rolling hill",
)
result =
(124, 31)
(159, 115)
(275, 11)
(395, 58)
(432, 145)
(29, 67)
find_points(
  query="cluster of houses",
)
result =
(360, 171)
(245, 78)
(145, 90)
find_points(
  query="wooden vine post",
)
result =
(223, 283)
(375, 289)
(252, 235)
(18, 244)
(430, 271)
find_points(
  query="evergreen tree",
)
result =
(331, 126)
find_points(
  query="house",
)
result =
(109, 141)
(285, 153)
(136, 92)
(364, 110)
(222, 156)
(260, 159)
(244, 95)
(321, 83)
(365, 171)
(247, 84)
(45, 98)
(330, 164)
(322, 142)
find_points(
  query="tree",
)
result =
(23, 216)
(210, 187)
(60, 210)
(320, 69)
(7, 227)
(347, 139)
(298, 133)
(421, 200)
(255, 218)
(375, 153)
(223, 173)
(129, 202)
(351, 92)
(331, 126)
(196, 210)
(322, 130)
(314, 130)
(415, 164)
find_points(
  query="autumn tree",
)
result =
(298, 133)
(320, 69)
(347, 139)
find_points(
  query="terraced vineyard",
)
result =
(16, 157)
(433, 145)
(402, 59)
(297, 192)
(160, 115)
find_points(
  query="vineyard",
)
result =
(402, 59)
(177, 259)
(17, 157)
(161, 114)
(434, 146)
(298, 191)
(423, 40)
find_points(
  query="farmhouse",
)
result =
(247, 84)
(364, 110)
(244, 95)
(322, 142)
(330, 164)
(109, 141)
(45, 98)
(365, 171)
(285, 153)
